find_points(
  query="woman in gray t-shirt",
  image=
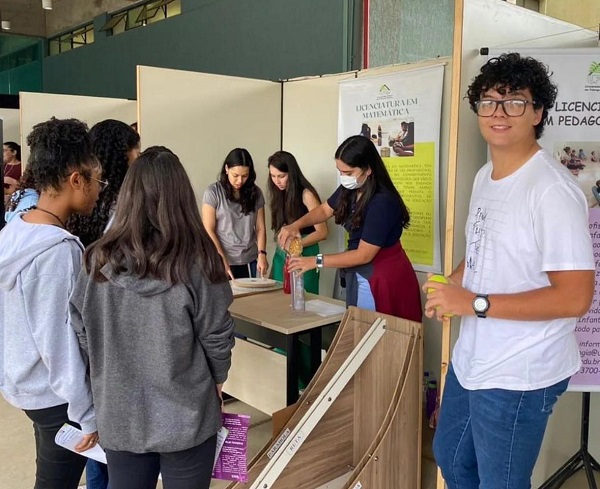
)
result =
(234, 215)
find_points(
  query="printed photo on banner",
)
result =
(393, 138)
(582, 160)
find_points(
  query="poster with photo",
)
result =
(572, 134)
(401, 112)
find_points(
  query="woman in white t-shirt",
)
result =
(234, 215)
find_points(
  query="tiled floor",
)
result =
(17, 449)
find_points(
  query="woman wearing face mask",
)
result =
(376, 270)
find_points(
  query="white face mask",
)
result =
(350, 182)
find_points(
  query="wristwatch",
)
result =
(319, 260)
(263, 252)
(481, 304)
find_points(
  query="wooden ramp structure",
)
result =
(351, 430)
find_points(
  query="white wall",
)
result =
(494, 23)
(10, 125)
(39, 107)
(201, 117)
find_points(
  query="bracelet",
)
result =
(263, 252)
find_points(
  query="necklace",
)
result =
(62, 224)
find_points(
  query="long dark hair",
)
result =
(360, 152)
(287, 205)
(249, 191)
(157, 231)
(111, 140)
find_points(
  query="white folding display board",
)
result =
(10, 125)
(201, 117)
(39, 107)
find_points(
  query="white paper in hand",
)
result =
(69, 437)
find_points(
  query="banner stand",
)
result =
(582, 458)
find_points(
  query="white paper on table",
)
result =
(323, 308)
(69, 437)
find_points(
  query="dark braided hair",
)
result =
(26, 181)
(59, 147)
(111, 141)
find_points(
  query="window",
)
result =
(142, 14)
(73, 39)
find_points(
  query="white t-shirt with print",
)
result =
(520, 227)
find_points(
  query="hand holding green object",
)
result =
(442, 280)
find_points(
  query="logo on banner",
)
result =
(385, 93)
(593, 77)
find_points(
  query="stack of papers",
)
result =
(323, 308)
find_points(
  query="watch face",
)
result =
(480, 304)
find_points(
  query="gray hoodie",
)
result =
(156, 352)
(41, 365)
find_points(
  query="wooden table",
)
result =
(260, 376)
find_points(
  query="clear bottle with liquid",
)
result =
(297, 286)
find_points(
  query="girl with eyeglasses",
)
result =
(43, 370)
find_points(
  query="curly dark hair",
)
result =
(511, 72)
(249, 191)
(360, 152)
(111, 141)
(58, 148)
(26, 181)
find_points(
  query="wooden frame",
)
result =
(371, 434)
(455, 99)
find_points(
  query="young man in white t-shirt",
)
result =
(527, 275)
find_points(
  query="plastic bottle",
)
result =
(431, 398)
(425, 385)
(379, 136)
(287, 288)
(297, 280)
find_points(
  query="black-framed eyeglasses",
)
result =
(103, 183)
(512, 107)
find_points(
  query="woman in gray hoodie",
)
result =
(42, 370)
(150, 308)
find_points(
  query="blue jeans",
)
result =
(491, 438)
(96, 475)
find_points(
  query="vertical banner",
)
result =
(572, 134)
(401, 112)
